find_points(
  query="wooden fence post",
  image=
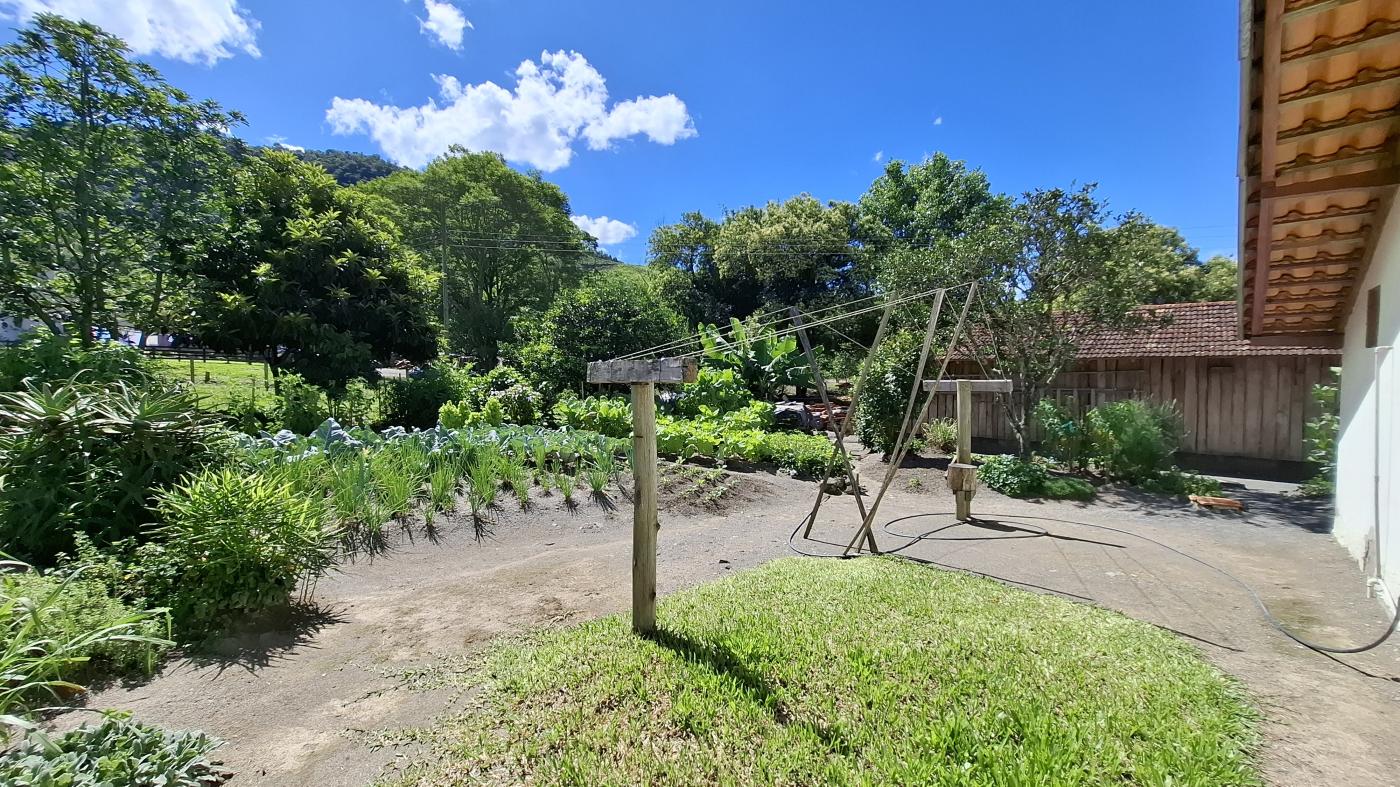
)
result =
(645, 523)
(643, 376)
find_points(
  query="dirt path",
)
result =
(300, 701)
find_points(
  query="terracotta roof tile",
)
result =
(1190, 329)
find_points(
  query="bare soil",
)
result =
(304, 697)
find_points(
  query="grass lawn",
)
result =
(227, 380)
(871, 671)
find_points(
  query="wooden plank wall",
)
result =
(1243, 406)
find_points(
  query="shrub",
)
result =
(87, 459)
(116, 752)
(56, 628)
(805, 454)
(1063, 437)
(67, 608)
(301, 406)
(415, 400)
(1176, 482)
(352, 405)
(520, 404)
(612, 313)
(886, 392)
(611, 417)
(1058, 487)
(1320, 435)
(766, 362)
(1012, 476)
(1133, 440)
(941, 435)
(233, 544)
(714, 390)
(56, 359)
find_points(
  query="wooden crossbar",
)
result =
(978, 386)
(658, 370)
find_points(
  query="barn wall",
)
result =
(1243, 406)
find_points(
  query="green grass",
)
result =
(228, 381)
(1066, 488)
(870, 671)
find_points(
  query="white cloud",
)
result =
(445, 22)
(195, 31)
(277, 140)
(878, 157)
(609, 232)
(938, 121)
(555, 102)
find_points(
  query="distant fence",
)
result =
(1250, 406)
(200, 354)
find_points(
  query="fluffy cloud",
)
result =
(878, 157)
(445, 23)
(555, 102)
(280, 141)
(938, 121)
(195, 31)
(609, 232)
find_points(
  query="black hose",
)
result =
(1039, 532)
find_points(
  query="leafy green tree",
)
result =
(108, 181)
(312, 277)
(1169, 268)
(348, 167)
(684, 255)
(612, 313)
(791, 252)
(501, 239)
(1048, 278)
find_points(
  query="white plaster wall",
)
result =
(1368, 478)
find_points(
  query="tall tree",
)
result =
(684, 255)
(108, 183)
(313, 277)
(912, 213)
(791, 252)
(502, 241)
(1047, 278)
(1169, 269)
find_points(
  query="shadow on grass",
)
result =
(723, 661)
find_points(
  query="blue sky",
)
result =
(715, 105)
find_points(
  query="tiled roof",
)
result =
(1186, 329)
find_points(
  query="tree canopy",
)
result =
(109, 182)
(612, 313)
(502, 241)
(348, 167)
(313, 277)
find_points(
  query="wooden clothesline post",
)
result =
(962, 473)
(643, 376)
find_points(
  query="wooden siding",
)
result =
(1239, 406)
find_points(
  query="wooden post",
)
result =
(645, 523)
(962, 494)
(962, 473)
(643, 376)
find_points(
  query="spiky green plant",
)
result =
(484, 478)
(565, 482)
(598, 481)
